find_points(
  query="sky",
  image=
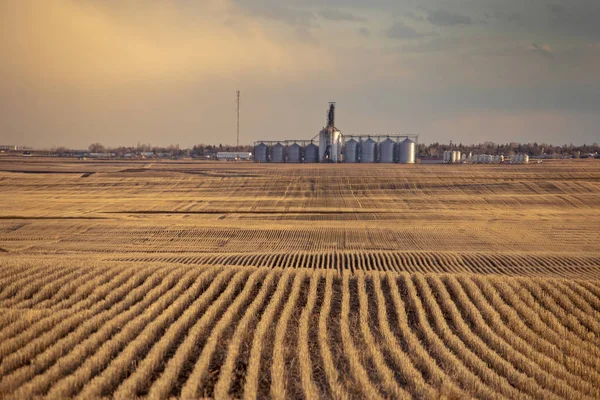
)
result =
(74, 72)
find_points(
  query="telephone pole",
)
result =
(237, 147)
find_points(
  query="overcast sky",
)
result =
(75, 72)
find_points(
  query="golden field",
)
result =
(186, 279)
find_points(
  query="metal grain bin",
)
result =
(261, 153)
(387, 150)
(447, 156)
(311, 153)
(278, 153)
(525, 158)
(455, 157)
(406, 152)
(351, 151)
(294, 153)
(369, 151)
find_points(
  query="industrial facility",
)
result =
(455, 157)
(331, 146)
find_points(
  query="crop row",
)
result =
(163, 330)
(507, 264)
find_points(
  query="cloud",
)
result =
(338, 15)
(543, 50)
(578, 17)
(87, 44)
(276, 10)
(413, 16)
(446, 18)
(400, 31)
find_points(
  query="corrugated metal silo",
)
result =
(447, 156)
(525, 158)
(351, 151)
(369, 151)
(311, 153)
(294, 153)
(453, 160)
(261, 153)
(406, 152)
(387, 150)
(278, 153)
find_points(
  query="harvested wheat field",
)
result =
(185, 279)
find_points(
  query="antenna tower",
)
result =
(237, 147)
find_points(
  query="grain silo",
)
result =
(311, 153)
(330, 139)
(294, 153)
(447, 157)
(278, 153)
(387, 151)
(261, 153)
(368, 151)
(525, 158)
(351, 151)
(406, 152)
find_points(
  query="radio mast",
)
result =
(237, 147)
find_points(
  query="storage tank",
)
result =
(525, 158)
(501, 158)
(446, 156)
(351, 151)
(453, 159)
(406, 152)
(369, 151)
(261, 153)
(387, 150)
(470, 157)
(336, 146)
(278, 153)
(311, 153)
(294, 153)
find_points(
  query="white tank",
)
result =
(294, 153)
(470, 157)
(331, 140)
(387, 151)
(463, 158)
(501, 158)
(336, 147)
(525, 158)
(446, 156)
(351, 151)
(311, 153)
(406, 152)
(368, 151)
(278, 153)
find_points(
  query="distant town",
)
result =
(431, 152)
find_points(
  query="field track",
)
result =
(192, 280)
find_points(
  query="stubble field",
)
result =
(184, 279)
